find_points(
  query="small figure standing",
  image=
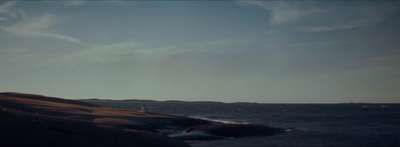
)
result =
(143, 108)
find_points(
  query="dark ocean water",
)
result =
(314, 124)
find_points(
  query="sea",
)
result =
(327, 125)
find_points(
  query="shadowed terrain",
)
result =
(35, 120)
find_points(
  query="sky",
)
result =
(227, 51)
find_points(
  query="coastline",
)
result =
(36, 120)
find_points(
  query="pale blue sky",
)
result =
(229, 51)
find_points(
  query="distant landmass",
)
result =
(218, 102)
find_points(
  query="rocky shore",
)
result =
(35, 120)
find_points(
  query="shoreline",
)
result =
(36, 120)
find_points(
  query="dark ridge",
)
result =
(44, 98)
(207, 102)
(140, 100)
(92, 99)
(249, 103)
(176, 101)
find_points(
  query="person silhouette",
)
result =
(143, 108)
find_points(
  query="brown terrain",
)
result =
(35, 120)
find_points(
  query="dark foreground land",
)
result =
(35, 120)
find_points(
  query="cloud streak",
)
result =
(38, 23)
(6, 5)
(5, 9)
(139, 53)
(281, 12)
(385, 58)
(348, 25)
(75, 3)
(35, 27)
(68, 3)
(27, 33)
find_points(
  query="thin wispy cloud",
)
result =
(33, 34)
(363, 15)
(284, 13)
(117, 50)
(37, 23)
(281, 12)
(385, 58)
(348, 25)
(5, 9)
(68, 3)
(74, 3)
(135, 52)
(36, 27)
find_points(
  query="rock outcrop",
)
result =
(235, 130)
(35, 120)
